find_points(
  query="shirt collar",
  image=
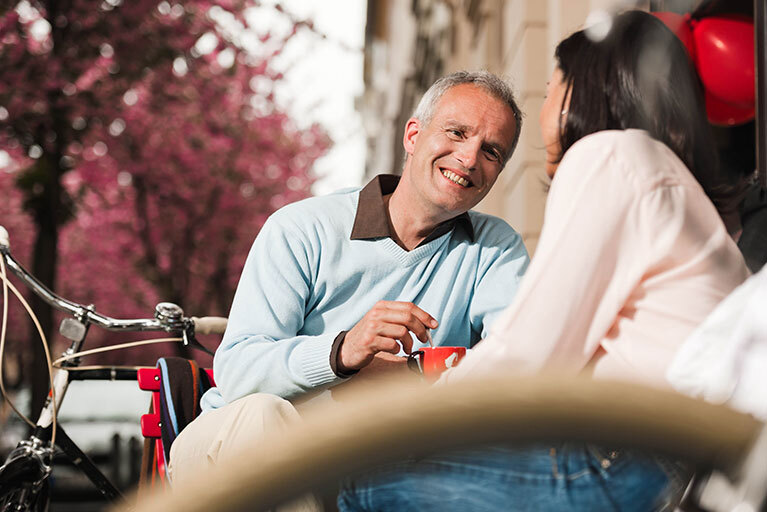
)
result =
(372, 220)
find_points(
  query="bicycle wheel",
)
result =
(26, 500)
(378, 427)
(24, 486)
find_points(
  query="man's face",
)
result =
(455, 159)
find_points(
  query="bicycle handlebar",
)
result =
(209, 324)
(85, 314)
(169, 317)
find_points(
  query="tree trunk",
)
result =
(44, 262)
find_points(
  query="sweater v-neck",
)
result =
(408, 258)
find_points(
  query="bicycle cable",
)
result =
(8, 285)
(4, 393)
(91, 367)
(129, 344)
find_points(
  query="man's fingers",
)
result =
(411, 322)
(384, 344)
(407, 343)
(397, 332)
(391, 330)
(425, 318)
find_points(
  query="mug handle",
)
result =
(414, 361)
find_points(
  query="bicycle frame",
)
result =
(29, 465)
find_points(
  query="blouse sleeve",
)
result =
(584, 268)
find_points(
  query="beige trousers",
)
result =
(219, 435)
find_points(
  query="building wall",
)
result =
(410, 43)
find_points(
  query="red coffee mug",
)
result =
(432, 361)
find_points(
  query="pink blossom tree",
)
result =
(142, 166)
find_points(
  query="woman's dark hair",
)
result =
(639, 76)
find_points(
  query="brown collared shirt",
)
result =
(372, 218)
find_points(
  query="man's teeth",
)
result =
(455, 178)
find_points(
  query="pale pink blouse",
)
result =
(632, 257)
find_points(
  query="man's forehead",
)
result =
(459, 99)
(456, 106)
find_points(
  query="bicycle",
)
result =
(24, 477)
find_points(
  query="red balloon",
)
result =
(725, 58)
(722, 113)
(680, 26)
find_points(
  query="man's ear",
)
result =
(412, 129)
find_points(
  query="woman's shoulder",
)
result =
(631, 152)
(623, 143)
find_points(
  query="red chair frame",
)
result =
(149, 379)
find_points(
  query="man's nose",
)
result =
(468, 154)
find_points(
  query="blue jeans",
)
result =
(568, 477)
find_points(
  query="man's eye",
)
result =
(492, 155)
(456, 133)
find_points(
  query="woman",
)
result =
(632, 256)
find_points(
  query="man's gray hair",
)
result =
(491, 83)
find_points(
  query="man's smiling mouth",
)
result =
(455, 178)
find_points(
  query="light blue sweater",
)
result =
(305, 281)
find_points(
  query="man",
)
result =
(334, 285)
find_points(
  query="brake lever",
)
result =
(171, 316)
(190, 341)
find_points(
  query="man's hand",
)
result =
(380, 330)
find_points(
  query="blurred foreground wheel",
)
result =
(379, 424)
